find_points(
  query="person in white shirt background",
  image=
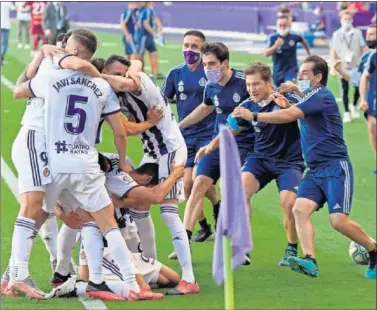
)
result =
(6, 8)
(23, 24)
(347, 45)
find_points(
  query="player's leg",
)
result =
(30, 160)
(193, 145)
(4, 42)
(170, 216)
(168, 276)
(5, 278)
(146, 229)
(310, 198)
(20, 24)
(130, 233)
(345, 88)
(126, 48)
(339, 192)
(372, 131)
(140, 43)
(49, 235)
(27, 34)
(66, 243)
(288, 180)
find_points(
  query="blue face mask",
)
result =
(303, 85)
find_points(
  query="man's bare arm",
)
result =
(120, 83)
(77, 64)
(120, 138)
(200, 113)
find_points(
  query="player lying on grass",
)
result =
(128, 193)
(330, 175)
(277, 151)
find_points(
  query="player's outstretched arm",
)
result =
(213, 145)
(277, 117)
(339, 68)
(200, 113)
(120, 138)
(77, 64)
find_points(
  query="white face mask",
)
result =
(213, 76)
(264, 103)
(303, 85)
(283, 32)
(346, 26)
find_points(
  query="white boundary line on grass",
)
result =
(12, 182)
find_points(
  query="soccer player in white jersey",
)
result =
(162, 143)
(127, 193)
(74, 105)
(30, 158)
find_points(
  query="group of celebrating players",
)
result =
(106, 200)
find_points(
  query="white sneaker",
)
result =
(347, 117)
(354, 112)
(27, 47)
(19, 45)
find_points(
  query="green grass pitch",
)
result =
(263, 285)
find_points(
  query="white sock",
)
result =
(91, 237)
(81, 288)
(22, 242)
(122, 257)
(66, 243)
(49, 234)
(169, 214)
(119, 288)
(147, 235)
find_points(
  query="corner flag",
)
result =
(233, 234)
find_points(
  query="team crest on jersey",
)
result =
(46, 172)
(291, 43)
(216, 101)
(183, 96)
(202, 82)
(181, 86)
(236, 98)
(82, 254)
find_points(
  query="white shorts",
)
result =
(164, 163)
(29, 156)
(147, 267)
(78, 190)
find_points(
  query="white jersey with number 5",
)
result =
(75, 104)
(166, 136)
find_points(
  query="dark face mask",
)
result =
(371, 44)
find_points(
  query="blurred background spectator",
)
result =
(6, 9)
(50, 22)
(347, 45)
(63, 23)
(23, 24)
